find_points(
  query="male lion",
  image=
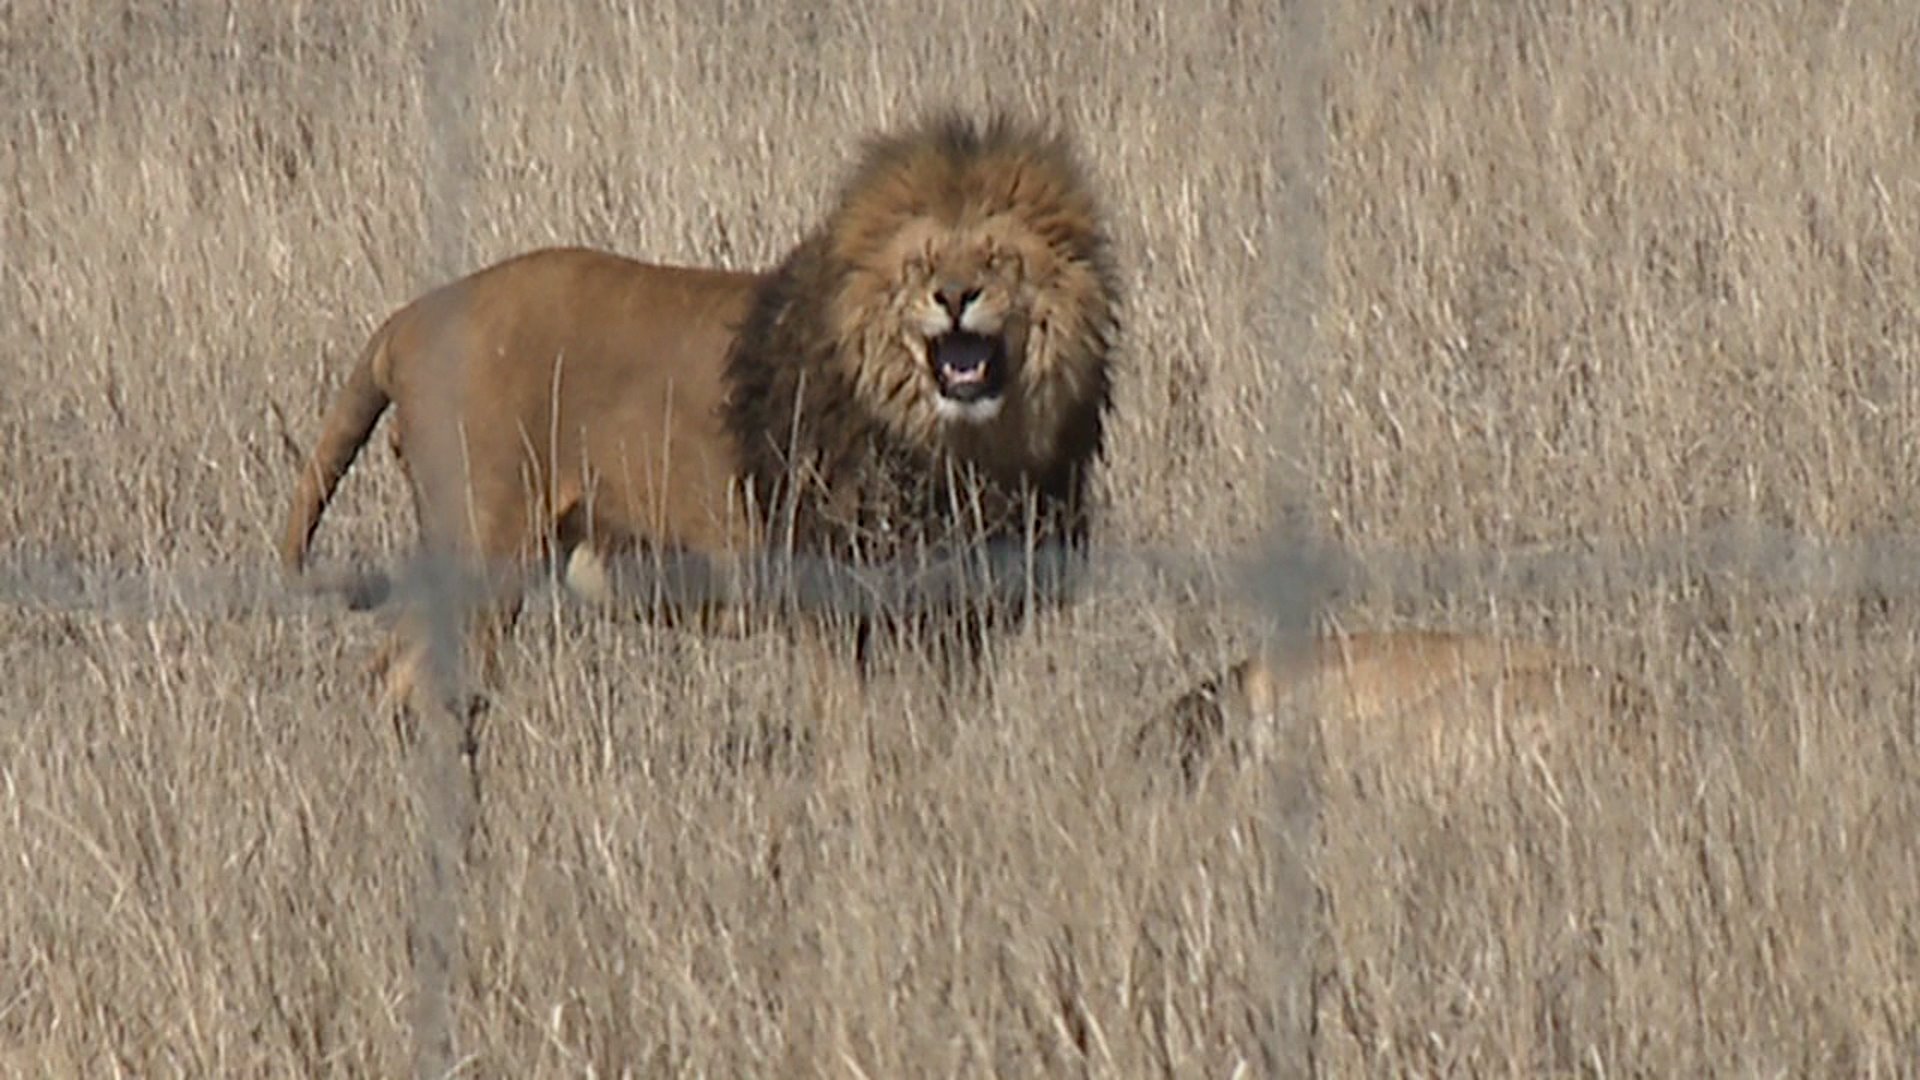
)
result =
(1449, 703)
(927, 369)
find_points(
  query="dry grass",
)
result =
(1628, 273)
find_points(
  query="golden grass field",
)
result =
(1558, 297)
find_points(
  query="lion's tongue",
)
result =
(964, 361)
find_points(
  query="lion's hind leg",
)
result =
(442, 657)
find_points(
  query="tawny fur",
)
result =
(575, 403)
(562, 395)
(1452, 704)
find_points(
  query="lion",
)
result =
(1454, 704)
(927, 369)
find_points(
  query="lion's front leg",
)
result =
(836, 685)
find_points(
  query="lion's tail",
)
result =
(349, 423)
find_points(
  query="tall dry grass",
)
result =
(1629, 274)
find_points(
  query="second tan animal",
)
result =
(1451, 704)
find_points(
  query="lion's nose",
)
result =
(955, 297)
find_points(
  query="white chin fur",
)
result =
(971, 412)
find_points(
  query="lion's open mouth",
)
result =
(972, 372)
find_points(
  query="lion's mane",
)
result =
(833, 401)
